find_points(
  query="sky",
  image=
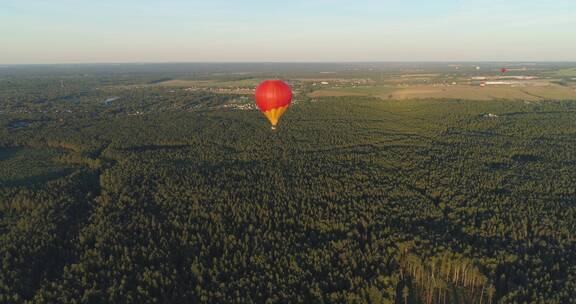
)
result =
(116, 31)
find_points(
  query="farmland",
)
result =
(243, 83)
(565, 73)
(456, 92)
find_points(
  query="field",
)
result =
(244, 83)
(376, 91)
(565, 73)
(530, 93)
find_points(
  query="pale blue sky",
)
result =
(74, 31)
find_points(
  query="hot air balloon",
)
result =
(503, 70)
(273, 98)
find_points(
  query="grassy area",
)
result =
(377, 91)
(243, 83)
(487, 93)
(565, 73)
(24, 166)
(532, 93)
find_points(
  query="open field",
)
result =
(335, 93)
(377, 91)
(565, 73)
(487, 93)
(456, 92)
(244, 83)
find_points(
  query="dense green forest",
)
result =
(160, 196)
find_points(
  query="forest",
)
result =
(116, 194)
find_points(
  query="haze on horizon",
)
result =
(68, 31)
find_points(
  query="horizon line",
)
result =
(287, 62)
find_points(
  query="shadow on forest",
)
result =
(42, 178)
(8, 153)
(526, 158)
(157, 148)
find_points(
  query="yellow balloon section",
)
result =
(274, 114)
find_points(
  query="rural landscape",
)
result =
(279, 152)
(383, 183)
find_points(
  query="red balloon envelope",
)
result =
(504, 70)
(273, 98)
